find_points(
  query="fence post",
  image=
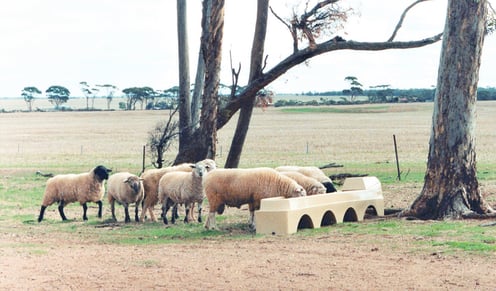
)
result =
(397, 161)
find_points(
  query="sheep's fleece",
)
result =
(68, 188)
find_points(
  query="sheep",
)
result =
(210, 165)
(235, 187)
(68, 188)
(151, 178)
(311, 185)
(182, 187)
(311, 171)
(125, 188)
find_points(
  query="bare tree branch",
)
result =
(303, 55)
(403, 15)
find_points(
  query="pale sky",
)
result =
(130, 43)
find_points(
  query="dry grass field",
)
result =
(79, 255)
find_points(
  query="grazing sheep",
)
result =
(68, 188)
(235, 187)
(313, 172)
(125, 188)
(311, 185)
(151, 178)
(182, 188)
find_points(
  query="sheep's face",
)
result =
(134, 183)
(209, 164)
(320, 189)
(101, 172)
(200, 169)
(299, 191)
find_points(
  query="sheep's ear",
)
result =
(126, 180)
(109, 170)
(192, 166)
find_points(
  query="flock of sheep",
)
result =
(186, 184)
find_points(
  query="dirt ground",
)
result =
(269, 263)
(56, 261)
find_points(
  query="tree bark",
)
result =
(257, 53)
(451, 188)
(185, 134)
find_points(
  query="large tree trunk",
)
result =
(451, 189)
(203, 141)
(257, 52)
(185, 134)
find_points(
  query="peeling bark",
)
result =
(451, 189)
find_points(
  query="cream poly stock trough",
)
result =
(281, 216)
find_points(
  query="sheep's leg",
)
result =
(252, 219)
(174, 205)
(188, 213)
(199, 211)
(85, 208)
(210, 224)
(175, 214)
(42, 213)
(112, 209)
(191, 216)
(126, 213)
(136, 210)
(252, 216)
(143, 212)
(165, 208)
(152, 216)
(61, 210)
(100, 208)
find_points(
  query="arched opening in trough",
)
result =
(328, 219)
(370, 212)
(350, 215)
(305, 222)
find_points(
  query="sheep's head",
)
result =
(102, 172)
(200, 169)
(134, 182)
(317, 189)
(210, 164)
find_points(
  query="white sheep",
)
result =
(151, 178)
(182, 188)
(235, 187)
(311, 185)
(68, 188)
(210, 165)
(125, 188)
(311, 171)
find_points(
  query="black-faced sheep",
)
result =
(68, 188)
(311, 185)
(313, 172)
(182, 188)
(125, 188)
(235, 187)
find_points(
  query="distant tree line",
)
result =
(377, 95)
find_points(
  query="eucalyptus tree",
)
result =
(306, 27)
(29, 93)
(58, 95)
(451, 188)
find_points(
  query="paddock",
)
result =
(281, 216)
